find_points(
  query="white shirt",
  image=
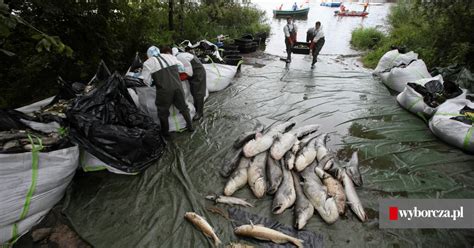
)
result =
(318, 34)
(288, 28)
(186, 58)
(152, 65)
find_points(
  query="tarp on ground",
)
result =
(399, 157)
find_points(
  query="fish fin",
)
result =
(217, 241)
(298, 242)
(352, 170)
(251, 223)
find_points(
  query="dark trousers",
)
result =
(164, 100)
(317, 48)
(288, 49)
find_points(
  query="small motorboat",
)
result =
(351, 13)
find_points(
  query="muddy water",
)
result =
(398, 154)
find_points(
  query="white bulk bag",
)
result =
(398, 77)
(219, 76)
(146, 103)
(393, 59)
(31, 183)
(451, 131)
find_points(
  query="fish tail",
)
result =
(297, 242)
(217, 241)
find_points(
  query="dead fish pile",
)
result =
(297, 168)
(17, 141)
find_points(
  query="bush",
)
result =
(366, 38)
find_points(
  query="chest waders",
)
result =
(169, 91)
(198, 86)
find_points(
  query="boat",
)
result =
(331, 4)
(298, 13)
(374, 4)
(351, 13)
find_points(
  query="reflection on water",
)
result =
(337, 29)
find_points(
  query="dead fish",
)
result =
(334, 188)
(317, 195)
(231, 161)
(353, 171)
(324, 156)
(257, 176)
(285, 142)
(11, 145)
(265, 233)
(352, 198)
(263, 143)
(203, 226)
(274, 175)
(239, 178)
(229, 200)
(303, 142)
(285, 196)
(12, 135)
(290, 160)
(304, 210)
(247, 136)
(306, 156)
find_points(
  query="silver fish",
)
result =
(257, 176)
(352, 170)
(231, 161)
(263, 143)
(285, 196)
(304, 210)
(229, 200)
(352, 198)
(274, 175)
(306, 156)
(317, 195)
(247, 136)
(334, 188)
(239, 178)
(324, 156)
(290, 160)
(286, 141)
(203, 226)
(303, 142)
(265, 233)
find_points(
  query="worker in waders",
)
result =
(197, 80)
(290, 30)
(162, 69)
(317, 43)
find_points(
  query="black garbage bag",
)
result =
(435, 93)
(466, 117)
(107, 124)
(67, 91)
(132, 82)
(241, 217)
(101, 76)
(460, 75)
(137, 64)
(11, 119)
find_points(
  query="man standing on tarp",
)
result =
(162, 70)
(317, 42)
(197, 80)
(290, 30)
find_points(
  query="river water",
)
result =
(399, 157)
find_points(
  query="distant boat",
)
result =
(351, 13)
(297, 13)
(331, 4)
(377, 4)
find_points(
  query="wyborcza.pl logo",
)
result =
(426, 213)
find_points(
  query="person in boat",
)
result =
(290, 30)
(366, 4)
(317, 43)
(342, 8)
(281, 6)
(295, 6)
